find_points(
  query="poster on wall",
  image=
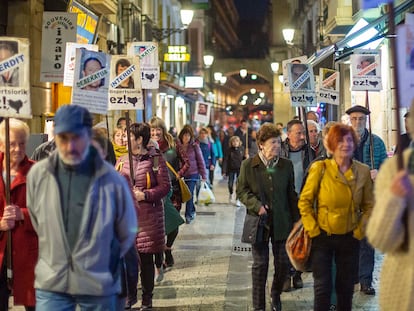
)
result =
(328, 86)
(366, 70)
(91, 80)
(58, 28)
(405, 63)
(15, 78)
(148, 61)
(296, 60)
(202, 112)
(125, 91)
(70, 60)
(301, 85)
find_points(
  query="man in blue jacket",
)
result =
(358, 117)
(83, 213)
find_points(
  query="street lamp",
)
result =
(163, 33)
(275, 67)
(243, 73)
(208, 60)
(288, 34)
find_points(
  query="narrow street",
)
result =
(212, 267)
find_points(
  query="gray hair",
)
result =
(311, 122)
(15, 125)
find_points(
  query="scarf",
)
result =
(120, 150)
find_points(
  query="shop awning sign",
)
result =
(58, 28)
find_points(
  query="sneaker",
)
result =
(297, 281)
(146, 308)
(332, 308)
(160, 274)
(368, 290)
(238, 204)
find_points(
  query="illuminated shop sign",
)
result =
(177, 53)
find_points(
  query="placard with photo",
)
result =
(91, 80)
(328, 86)
(15, 78)
(366, 70)
(125, 91)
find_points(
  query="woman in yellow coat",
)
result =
(342, 190)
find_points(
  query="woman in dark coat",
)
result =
(15, 217)
(150, 184)
(274, 176)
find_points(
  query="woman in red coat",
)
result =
(15, 218)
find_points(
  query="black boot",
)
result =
(169, 259)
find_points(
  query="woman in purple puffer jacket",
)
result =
(150, 184)
(197, 167)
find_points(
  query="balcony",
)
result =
(104, 6)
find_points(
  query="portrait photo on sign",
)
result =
(9, 76)
(122, 65)
(90, 66)
(364, 67)
(202, 112)
(301, 77)
(329, 79)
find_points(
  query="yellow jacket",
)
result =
(344, 201)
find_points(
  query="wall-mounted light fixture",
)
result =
(163, 33)
(288, 35)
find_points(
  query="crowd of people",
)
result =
(97, 213)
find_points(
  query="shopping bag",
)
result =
(298, 247)
(206, 195)
(185, 192)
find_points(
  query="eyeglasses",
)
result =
(358, 118)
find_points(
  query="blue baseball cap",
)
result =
(72, 119)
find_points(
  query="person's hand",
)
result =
(7, 222)
(139, 195)
(374, 174)
(19, 213)
(220, 160)
(263, 209)
(401, 185)
(211, 167)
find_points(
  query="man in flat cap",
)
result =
(358, 118)
(83, 213)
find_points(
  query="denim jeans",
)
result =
(191, 182)
(52, 301)
(344, 249)
(366, 262)
(232, 178)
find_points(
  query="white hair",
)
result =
(311, 122)
(14, 125)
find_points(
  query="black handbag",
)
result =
(253, 228)
(254, 225)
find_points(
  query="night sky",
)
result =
(250, 29)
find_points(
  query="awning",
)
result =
(341, 48)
